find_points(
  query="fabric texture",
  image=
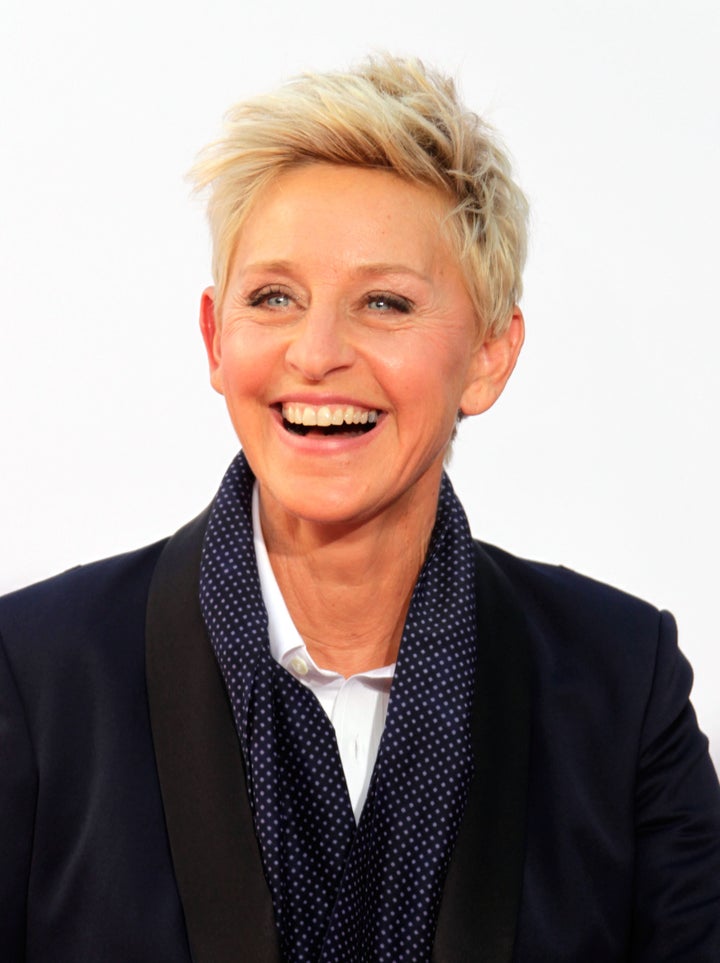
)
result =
(339, 891)
(591, 833)
(356, 705)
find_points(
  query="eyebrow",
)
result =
(362, 270)
(383, 267)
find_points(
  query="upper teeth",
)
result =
(324, 416)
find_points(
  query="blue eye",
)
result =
(269, 297)
(388, 302)
(278, 300)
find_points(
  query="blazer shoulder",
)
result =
(577, 620)
(93, 607)
(559, 585)
(102, 602)
(81, 588)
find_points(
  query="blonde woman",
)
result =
(321, 722)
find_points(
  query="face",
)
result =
(346, 344)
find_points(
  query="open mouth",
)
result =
(329, 420)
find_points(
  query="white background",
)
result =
(602, 455)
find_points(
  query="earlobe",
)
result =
(492, 365)
(210, 330)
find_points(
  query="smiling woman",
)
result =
(321, 722)
(371, 319)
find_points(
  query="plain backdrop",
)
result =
(602, 454)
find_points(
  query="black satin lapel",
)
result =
(227, 905)
(481, 899)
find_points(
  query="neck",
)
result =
(348, 588)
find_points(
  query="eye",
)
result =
(270, 297)
(382, 301)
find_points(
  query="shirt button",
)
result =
(299, 665)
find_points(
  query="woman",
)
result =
(320, 722)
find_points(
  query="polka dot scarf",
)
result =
(343, 892)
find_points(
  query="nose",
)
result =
(320, 344)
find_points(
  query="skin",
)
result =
(344, 292)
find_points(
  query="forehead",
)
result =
(342, 215)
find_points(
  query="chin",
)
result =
(323, 505)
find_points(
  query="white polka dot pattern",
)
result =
(341, 892)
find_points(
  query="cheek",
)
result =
(433, 367)
(246, 363)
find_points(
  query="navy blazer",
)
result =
(592, 831)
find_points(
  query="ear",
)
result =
(210, 329)
(492, 364)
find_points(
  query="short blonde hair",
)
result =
(391, 114)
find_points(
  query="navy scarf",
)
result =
(343, 892)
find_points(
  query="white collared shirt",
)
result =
(356, 706)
